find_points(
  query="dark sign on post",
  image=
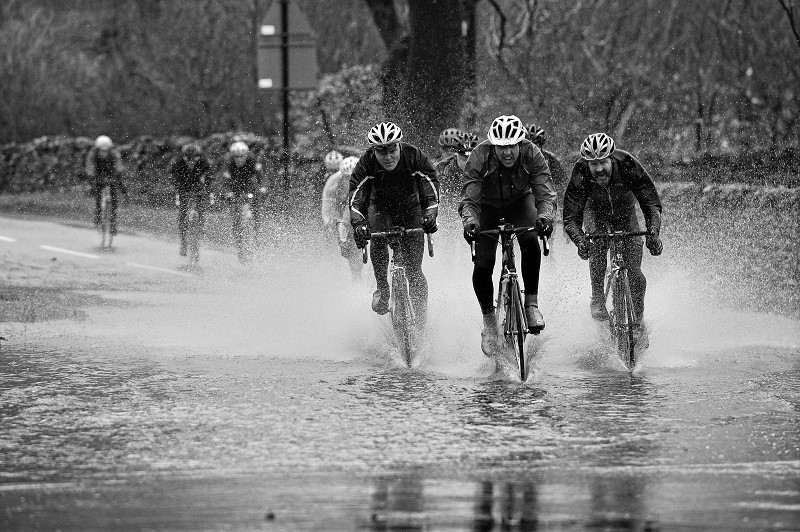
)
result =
(287, 60)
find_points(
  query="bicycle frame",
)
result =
(509, 293)
(404, 317)
(622, 318)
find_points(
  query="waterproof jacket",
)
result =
(334, 198)
(194, 180)
(104, 169)
(483, 184)
(412, 184)
(244, 179)
(612, 208)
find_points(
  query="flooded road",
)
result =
(265, 397)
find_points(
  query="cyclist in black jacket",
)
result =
(104, 167)
(394, 184)
(192, 177)
(606, 185)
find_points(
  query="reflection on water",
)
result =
(398, 503)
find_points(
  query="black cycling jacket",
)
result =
(412, 184)
(483, 184)
(244, 179)
(195, 180)
(611, 208)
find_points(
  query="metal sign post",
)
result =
(287, 59)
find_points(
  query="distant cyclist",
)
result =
(336, 215)
(452, 158)
(104, 167)
(605, 185)
(330, 199)
(192, 177)
(394, 184)
(243, 176)
(506, 177)
(538, 136)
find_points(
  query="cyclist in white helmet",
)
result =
(336, 214)
(332, 160)
(244, 175)
(394, 184)
(104, 167)
(506, 177)
(605, 185)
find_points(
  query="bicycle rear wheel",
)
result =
(623, 321)
(105, 216)
(193, 236)
(401, 317)
(515, 313)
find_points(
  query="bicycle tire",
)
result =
(623, 330)
(105, 216)
(193, 235)
(519, 328)
(401, 318)
(246, 232)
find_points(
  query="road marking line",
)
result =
(157, 269)
(70, 252)
(7, 239)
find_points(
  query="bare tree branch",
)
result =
(790, 14)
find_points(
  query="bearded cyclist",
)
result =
(506, 177)
(605, 185)
(191, 175)
(104, 167)
(394, 184)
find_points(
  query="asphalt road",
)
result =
(136, 393)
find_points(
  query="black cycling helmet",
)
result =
(536, 134)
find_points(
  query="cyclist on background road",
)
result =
(605, 185)
(537, 135)
(191, 175)
(104, 167)
(394, 184)
(450, 164)
(506, 177)
(243, 176)
(330, 199)
(336, 215)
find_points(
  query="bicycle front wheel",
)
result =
(623, 321)
(515, 316)
(105, 216)
(401, 317)
(193, 236)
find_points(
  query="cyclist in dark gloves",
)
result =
(506, 177)
(605, 185)
(192, 177)
(394, 184)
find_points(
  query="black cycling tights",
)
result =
(521, 213)
(636, 279)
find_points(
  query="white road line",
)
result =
(157, 269)
(70, 252)
(7, 239)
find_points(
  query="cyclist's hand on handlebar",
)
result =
(361, 234)
(654, 245)
(583, 249)
(429, 223)
(472, 231)
(544, 227)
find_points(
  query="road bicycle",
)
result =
(106, 238)
(404, 318)
(193, 231)
(244, 226)
(623, 322)
(509, 294)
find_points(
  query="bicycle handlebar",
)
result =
(508, 229)
(398, 232)
(616, 234)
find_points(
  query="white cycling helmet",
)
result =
(347, 165)
(333, 159)
(384, 133)
(450, 138)
(597, 146)
(103, 142)
(506, 131)
(239, 148)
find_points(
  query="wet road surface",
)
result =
(239, 399)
